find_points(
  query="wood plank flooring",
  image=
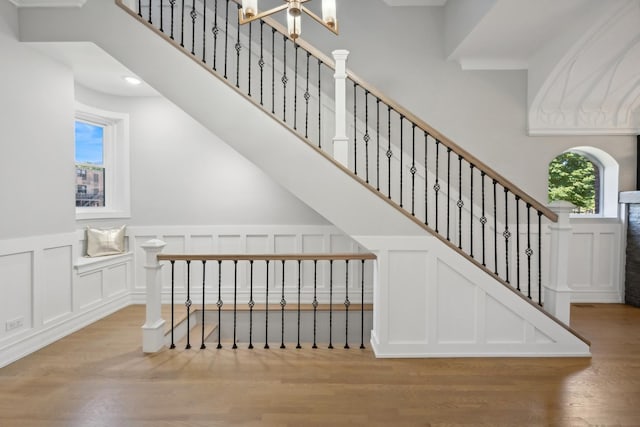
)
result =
(99, 377)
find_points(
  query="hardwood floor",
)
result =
(99, 377)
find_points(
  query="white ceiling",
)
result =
(94, 68)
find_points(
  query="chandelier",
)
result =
(294, 8)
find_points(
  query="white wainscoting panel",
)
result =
(429, 303)
(44, 298)
(596, 260)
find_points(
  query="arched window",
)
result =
(586, 177)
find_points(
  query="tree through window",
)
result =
(573, 177)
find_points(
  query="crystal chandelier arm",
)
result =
(320, 21)
(260, 15)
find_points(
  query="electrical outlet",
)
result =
(14, 323)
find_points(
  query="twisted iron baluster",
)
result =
(315, 300)
(299, 286)
(283, 303)
(219, 303)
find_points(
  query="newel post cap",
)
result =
(563, 209)
(153, 244)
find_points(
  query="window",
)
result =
(574, 178)
(90, 162)
(586, 177)
(102, 164)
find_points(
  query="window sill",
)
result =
(101, 214)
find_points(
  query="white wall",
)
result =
(182, 174)
(36, 138)
(483, 111)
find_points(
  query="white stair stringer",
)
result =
(408, 321)
(430, 303)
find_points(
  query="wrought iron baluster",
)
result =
(436, 186)
(448, 190)
(315, 300)
(377, 143)
(215, 30)
(235, 301)
(193, 16)
(219, 303)
(471, 168)
(238, 48)
(299, 286)
(540, 258)
(251, 304)
(249, 58)
(518, 242)
(173, 3)
(355, 129)
(182, 24)
(266, 312)
(506, 234)
(362, 305)
(261, 63)
(389, 152)
(401, 158)
(204, 31)
(319, 104)
(483, 222)
(426, 179)
(331, 304)
(162, 14)
(413, 170)
(284, 80)
(204, 268)
(307, 96)
(283, 303)
(173, 345)
(150, 21)
(273, 70)
(529, 251)
(295, 87)
(226, 38)
(460, 202)
(187, 304)
(495, 228)
(140, 8)
(347, 303)
(366, 136)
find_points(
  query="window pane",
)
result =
(89, 143)
(89, 186)
(576, 179)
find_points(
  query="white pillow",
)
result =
(105, 242)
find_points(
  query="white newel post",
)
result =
(340, 141)
(557, 294)
(153, 329)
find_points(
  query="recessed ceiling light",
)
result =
(134, 81)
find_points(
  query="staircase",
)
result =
(460, 248)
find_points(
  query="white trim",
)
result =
(87, 264)
(582, 131)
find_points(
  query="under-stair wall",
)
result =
(419, 279)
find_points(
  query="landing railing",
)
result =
(289, 286)
(431, 180)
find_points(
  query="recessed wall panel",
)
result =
(407, 297)
(56, 274)
(16, 290)
(456, 308)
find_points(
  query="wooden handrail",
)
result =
(424, 126)
(266, 257)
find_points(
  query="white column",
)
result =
(153, 328)
(340, 140)
(557, 294)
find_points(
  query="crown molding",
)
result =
(48, 3)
